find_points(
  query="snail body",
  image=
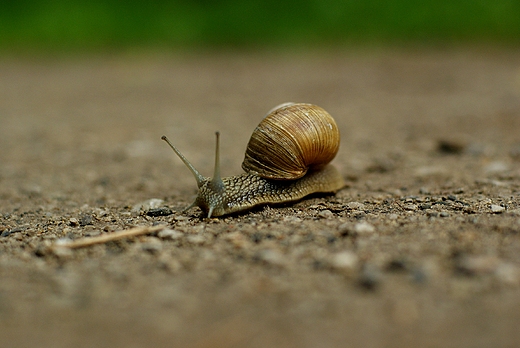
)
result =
(286, 159)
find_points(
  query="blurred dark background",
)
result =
(113, 24)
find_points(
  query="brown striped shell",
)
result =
(290, 140)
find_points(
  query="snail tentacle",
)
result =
(194, 171)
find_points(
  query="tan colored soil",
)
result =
(421, 249)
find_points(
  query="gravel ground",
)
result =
(421, 248)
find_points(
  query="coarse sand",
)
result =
(420, 249)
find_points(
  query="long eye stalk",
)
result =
(194, 171)
(216, 184)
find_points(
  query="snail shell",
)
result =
(290, 140)
(286, 159)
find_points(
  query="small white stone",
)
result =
(497, 209)
(60, 250)
(272, 257)
(325, 214)
(62, 241)
(345, 260)
(168, 233)
(364, 228)
(152, 203)
(356, 205)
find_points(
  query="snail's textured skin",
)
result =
(245, 191)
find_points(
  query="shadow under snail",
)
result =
(287, 158)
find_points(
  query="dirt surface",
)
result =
(422, 248)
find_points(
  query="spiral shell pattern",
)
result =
(292, 139)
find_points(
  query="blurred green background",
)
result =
(97, 24)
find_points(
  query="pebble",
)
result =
(152, 245)
(6, 233)
(85, 219)
(62, 241)
(364, 228)
(73, 222)
(411, 207)
(497, 209)
(361, 228)
(152, 203)
(345, 261)
(196, 239)
(444, 214)
(356, 205)
(477, 265)
(271, 257)
(168, 233)
(110, 228)
(325, 214)
(61, 252)
(101, 212)
(425, 206)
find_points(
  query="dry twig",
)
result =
(83, 242)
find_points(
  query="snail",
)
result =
(286, 159)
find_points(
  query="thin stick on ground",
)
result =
(84, 242)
